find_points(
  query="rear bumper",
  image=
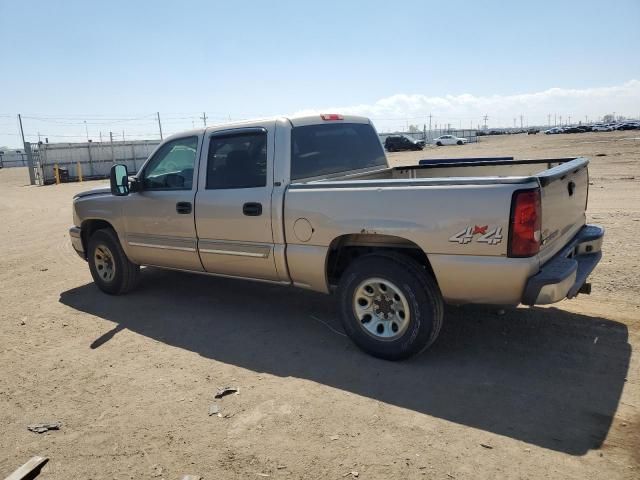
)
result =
(76, 241)
(564, 275)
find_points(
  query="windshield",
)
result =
(331, 148)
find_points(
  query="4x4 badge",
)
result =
(489, 236)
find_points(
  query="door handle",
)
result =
(183, 207)
(252, 209)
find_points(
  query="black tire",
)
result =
(420, 292)
(126, 274)
(459, 142)
(439, 144)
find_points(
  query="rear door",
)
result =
(233, 203)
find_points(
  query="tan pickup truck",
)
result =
(312, 202)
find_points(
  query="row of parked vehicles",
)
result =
(397, 143)
(601, 127)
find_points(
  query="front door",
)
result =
(159, 219)
(233, 204)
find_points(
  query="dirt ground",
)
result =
(533, 393)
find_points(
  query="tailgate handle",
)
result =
(571, 187)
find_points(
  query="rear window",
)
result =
(331, 148)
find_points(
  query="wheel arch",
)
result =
(343, 250)
(89, 227)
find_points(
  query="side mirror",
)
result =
(119, 177)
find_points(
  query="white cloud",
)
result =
(466, 109)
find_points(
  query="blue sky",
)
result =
(72, 60)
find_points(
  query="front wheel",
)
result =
(459, 142)
(439, 144)
(390, 306)
(110, 268)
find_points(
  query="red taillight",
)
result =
(524, 238)
(331, 116)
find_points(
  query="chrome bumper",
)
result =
(76, 241)
(566, 273)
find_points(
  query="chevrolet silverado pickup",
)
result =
(312, 202)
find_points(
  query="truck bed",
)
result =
(429, 204)
(472, 169)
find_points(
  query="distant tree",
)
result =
(414, 129)
(608, 118)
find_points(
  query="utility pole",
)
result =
(159, 125)
(22, 131)
(560, 120)
(520, 121)
(555, 119)
(204, 118)
(27, 150)
(100, 136)
(485, 118)
(569, 121)
(86, 129)
(123, 135)
(549, 120)
(429, 123)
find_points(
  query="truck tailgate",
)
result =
(564, 191)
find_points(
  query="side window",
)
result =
(237, 161)
(171, 168)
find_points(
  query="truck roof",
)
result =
(295, 121)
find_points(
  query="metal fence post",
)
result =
(113, 155)
(90, 159)
(32, 174)
(133, 156)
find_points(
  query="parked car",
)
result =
(574, 130)
(312, 202)
(397, 143)
(449, 140)
(533, 131)
(553, 131)
(628, 126)
(601, 128)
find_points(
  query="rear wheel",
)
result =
(390, 306)
(110, 268)
(439, 144)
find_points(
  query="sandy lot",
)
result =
(536, 392)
